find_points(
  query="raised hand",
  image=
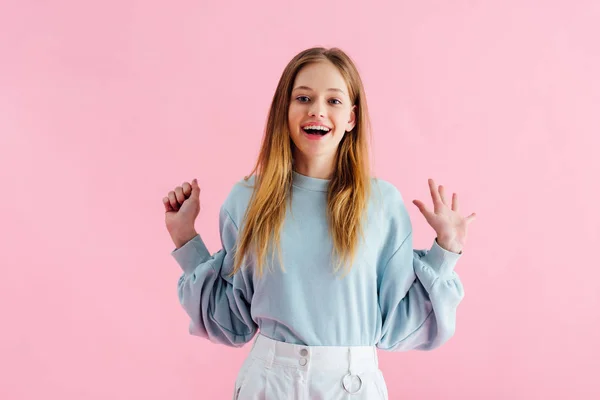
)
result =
(445, 219)
(182, 207)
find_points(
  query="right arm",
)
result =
(219, 306)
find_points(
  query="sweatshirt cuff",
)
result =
(191, 254)
(441, 260)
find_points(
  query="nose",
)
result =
(316, 108)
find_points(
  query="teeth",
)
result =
(317, 127)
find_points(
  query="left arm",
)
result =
(418, 297)
(420, 291)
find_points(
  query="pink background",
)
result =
(106, 106)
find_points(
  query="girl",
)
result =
(346, 279)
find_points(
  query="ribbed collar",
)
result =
(307, 182)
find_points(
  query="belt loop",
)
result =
(350, 363)
(375, 357)
(270, 357)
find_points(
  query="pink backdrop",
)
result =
(106, 107)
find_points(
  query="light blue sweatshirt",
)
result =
(394, 297)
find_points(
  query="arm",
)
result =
(418, 298)
(219, 307)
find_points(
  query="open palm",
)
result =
(445, 219)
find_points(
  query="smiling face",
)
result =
(319, 115)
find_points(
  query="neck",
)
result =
(316, 168)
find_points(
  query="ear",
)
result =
(352, 120)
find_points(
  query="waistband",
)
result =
(350, 358)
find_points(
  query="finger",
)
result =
(441, 190)
(435, 196)
(470, 218)
(179, 194)
(422, 207)
(455, 202)
(173, 201)
(187, 189)
(195, 189)
(167, 204)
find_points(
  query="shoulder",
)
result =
(238, 198)
(241, 189)
(387, 192)
(388, 204)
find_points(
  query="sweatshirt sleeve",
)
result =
(418, 297)
(219, 307)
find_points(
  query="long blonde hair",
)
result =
(349, 187)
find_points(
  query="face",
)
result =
(320, 114)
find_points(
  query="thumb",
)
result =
(422, 207)
(418, 204)
(195, 189)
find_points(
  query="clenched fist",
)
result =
(182, 207)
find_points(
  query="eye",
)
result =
(301, 99)
(338, 101)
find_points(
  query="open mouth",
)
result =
(316, 130)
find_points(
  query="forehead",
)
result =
(321, 76)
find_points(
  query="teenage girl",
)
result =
(344, 279)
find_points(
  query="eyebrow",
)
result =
(330, 89)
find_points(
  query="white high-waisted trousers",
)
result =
(283, 371)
